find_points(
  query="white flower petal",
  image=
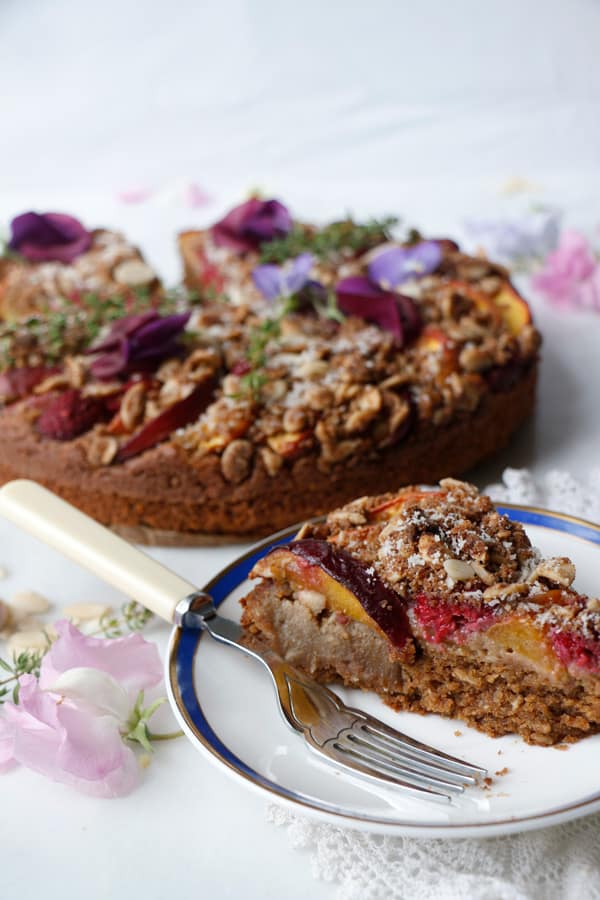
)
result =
(97, 690)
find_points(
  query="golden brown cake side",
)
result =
(163, 489)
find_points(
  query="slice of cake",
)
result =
(51, 258)
(438, 603)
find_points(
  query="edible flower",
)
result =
(43, 237)
(283, 281)
(138, 341)
(71, 724)
(570, 277)
(393, 312)
(517, 241)
(251, 224)
(391, 268)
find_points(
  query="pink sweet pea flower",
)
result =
(570, 277)
(131, 660)
(69, 726)
(67, 742)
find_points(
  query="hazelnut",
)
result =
(236, 461)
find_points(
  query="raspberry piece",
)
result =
(574, 649)
(69, 415)
(17, 383)
(441, 620)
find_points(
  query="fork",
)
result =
(348, 737)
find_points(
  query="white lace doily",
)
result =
(560, 863)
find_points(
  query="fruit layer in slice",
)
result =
(440, 604)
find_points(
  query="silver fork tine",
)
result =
(377, 729)
(355, 763)
(371, 756)
(400, 757)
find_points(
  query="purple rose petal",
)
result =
(391, 312)
(122, 328)
(283, 281)
(159, 331)
(44, 237)
(251, 224)
(393, 267)
(136, 341)
(112, 362)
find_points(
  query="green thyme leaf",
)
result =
(330, 240)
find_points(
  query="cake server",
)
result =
(340, 734)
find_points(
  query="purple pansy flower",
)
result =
(530, 237)
(138, 342)
(393, 267)
(393, 312)
(283, 281)
(44, 237)
(251, 224)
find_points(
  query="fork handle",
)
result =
(55, 522)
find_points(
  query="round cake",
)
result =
(300, 367)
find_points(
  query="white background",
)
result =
(421, 108)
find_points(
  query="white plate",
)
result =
(225, 704)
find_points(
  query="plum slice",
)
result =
(176, 416)
(348, 585)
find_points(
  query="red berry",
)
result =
(441, 620)
(68, 415)
(574, 649)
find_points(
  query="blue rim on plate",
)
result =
(185, 644)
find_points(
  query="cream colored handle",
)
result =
(72, 533)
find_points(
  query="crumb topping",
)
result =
(451, 545)
(301, 384)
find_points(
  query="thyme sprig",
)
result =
(27, 662)
(74, 325)
(269, 329)
(332, 239)
(134, 617)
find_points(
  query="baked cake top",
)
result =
(338, 351)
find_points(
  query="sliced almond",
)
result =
(29, 602)
(85, 612)
(27, 640)
(482, 572)
(133, 273)
(458, 569)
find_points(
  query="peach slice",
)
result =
(513, 308)
(507, 304)
(290, 444)
(347, 584)
(433, 340)
(521, 636)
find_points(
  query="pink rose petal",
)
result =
(570, 277)
(135, 195)
(196, 196)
